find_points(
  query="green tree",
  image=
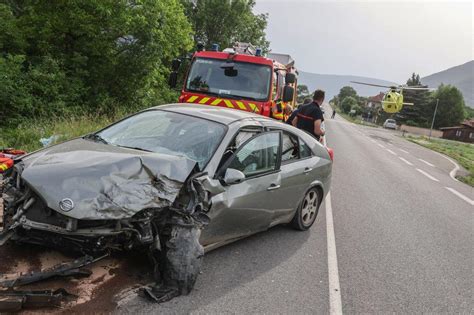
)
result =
(357, 108)
(11, 38)
(469, 112)
(450, 108)
(347, 91)
(225, 22)
(93, 56)
(348, 103)
(414, 80)
(302, 93)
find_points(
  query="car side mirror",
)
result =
(173, 79)
(233, 176)
(290, 78)
(288, 93)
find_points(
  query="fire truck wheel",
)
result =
(307, 210)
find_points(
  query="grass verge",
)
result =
(27, 135)
(463, 153)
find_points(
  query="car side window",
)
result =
(239, 139)
(259, 155)
(289, 148)
(305, 150)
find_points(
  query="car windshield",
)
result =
(166, 132)
(244, 80)
(390, 121)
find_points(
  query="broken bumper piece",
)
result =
(16, 300)
(74, 268)
(12, 300)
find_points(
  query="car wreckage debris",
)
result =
(180, 263)
(168, 227)
(15, 300)
(75, 268)
(12, 300)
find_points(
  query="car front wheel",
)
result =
(307, 210)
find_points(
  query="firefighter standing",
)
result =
(310, 116)
(290, 119)
(278, 109)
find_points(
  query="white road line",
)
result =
(454, 170)
(426, 162)
(457, 193)
(380, 145)
(427, 175)
(406, 161)
(404, 151)
(391, 152)
(335, 303)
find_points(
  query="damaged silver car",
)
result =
(172, 181)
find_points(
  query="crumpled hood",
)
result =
(105, 181)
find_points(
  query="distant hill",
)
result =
(461, 76)
(332, 83)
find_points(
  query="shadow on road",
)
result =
(230, 267)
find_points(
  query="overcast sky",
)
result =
(380, 39)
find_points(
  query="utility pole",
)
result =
(434, 117)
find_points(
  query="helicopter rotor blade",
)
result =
(415, 88)
(370, 84)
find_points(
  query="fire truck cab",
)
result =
(240, 78)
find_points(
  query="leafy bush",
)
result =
(357, 109)
(63, 57)
(347, 103)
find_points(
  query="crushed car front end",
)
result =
(122, 200)
(49, 199)
(27, 218)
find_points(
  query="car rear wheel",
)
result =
(307, 210)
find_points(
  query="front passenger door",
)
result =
(247, 207)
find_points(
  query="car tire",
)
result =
(307, 210)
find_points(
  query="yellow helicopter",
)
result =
(392, 101)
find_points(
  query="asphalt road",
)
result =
(403, 232)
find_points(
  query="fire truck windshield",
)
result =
(243, 80)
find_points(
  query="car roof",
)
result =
(222, 115)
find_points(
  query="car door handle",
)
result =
(273, 187)
(307, 170)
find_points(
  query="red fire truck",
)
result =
(240, 78)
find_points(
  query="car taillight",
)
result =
(331, 153)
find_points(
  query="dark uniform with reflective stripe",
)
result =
(289, 121)
(307, 115)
